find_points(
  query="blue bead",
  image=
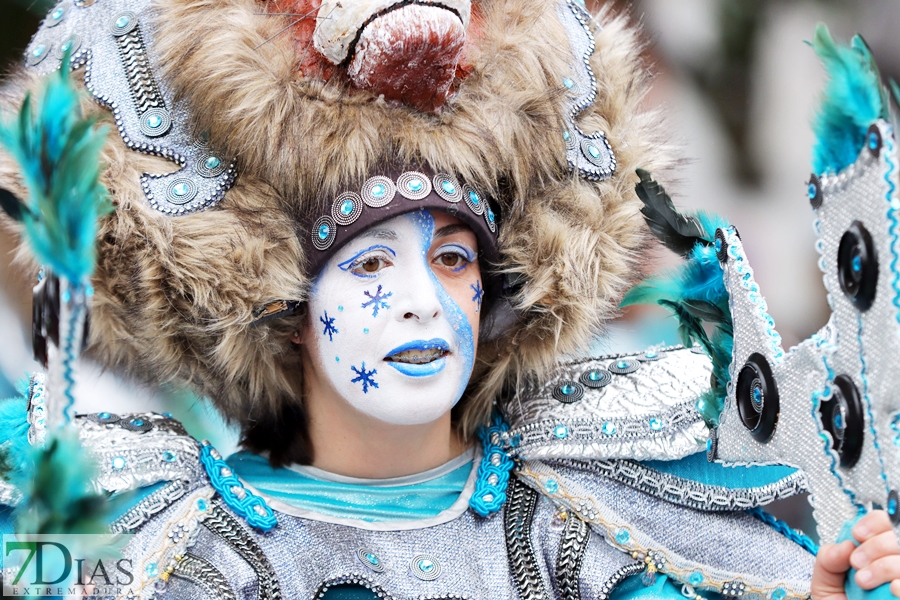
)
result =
(346, 207)
(656, 424)
(595, 376)
(811, 191)
(202, 505)
(152, 570)
(372, 558)
(448, 187)
(892, 506)
(474, 198)
(212, 163)
(567, 389)
(873, 140)
(180, 190)
(137, 422)
(104, 415)
(778, 594)
(122, 22)
(622, 536)
(57, 14)
(551, 486)
(118, 463)
(324, 231)
(366, 330)
(561, 432)
(708, 445)
(568, 83)
(757, 396)
(609, 428)
(838, 421)
(696, 578)
(154, 122)
(169, 456)
(39, 51)
(490, 215)
(856, 264)
(718, 244)
(379, 190)
(416, 185)
(622, 364)
(593, 151)
(426, 565)
(566, 135)
(340, 309)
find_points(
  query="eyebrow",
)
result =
(451, 229)
(382, 234)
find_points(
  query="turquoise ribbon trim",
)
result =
(242, 501)
(786, 530)
(494, 470)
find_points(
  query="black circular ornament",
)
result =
(857, 264)
(757, 398)
(842, 417)
(568, 392)
(721, 245)
(814, 191)
(873, 140)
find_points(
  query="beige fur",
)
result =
(175, 295)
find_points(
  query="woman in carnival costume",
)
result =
(370, 232)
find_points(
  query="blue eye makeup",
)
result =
(465, 252)
(353, 263)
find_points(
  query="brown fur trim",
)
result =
(174, 296)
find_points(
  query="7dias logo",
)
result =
(64, 565)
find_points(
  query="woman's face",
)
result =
(394, 318)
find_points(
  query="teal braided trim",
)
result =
(493, 472)
(242, 501)
(786, 530)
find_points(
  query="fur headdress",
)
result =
(177, 297)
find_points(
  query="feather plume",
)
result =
(14, 446)
(853, 99)
(58, 151)
(695, 291)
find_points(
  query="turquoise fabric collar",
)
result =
(314, 493)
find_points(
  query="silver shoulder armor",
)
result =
(638, 406)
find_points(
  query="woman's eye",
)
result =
(369, 265)
(451, 259)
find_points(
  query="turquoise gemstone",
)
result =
(593, 151)
(567, 389)
(561, 432)
(609, 428)
(324, 231)
(474, 198)
(137, 422)
(892, 506)
(856, 264)
(757, 396)
(122, 22)
(568, 83)
(651, 354)
(379, 190)
(118, 463)
(656, 424)
(595, 376)
(551, 486)
(622, 364)
(708, 445)
(426, 565)
(39, 51)
(490, 215)
(811, 191)
(201, 504)
(448, 187)
(169, 456)
(372, 558)
(104, 415)
(57, 14)
(154, 122)
(181, 189)
(718, 244)
(566, 135)
(873, 140)
(838, 421)
(66, 46)
(212, 163)
(696, 578)
(152, 570)
(416, 185)
(622, 536)
(346, 207)
(778, 594)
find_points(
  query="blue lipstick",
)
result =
(426, 369)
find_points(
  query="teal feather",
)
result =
(694, 291)
(14, 446)
(854, 98)
(58, 152)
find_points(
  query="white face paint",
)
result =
(394, 318)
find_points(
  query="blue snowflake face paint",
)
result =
(396, 305)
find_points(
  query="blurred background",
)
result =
(738, 88)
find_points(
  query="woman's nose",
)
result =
(419, 297)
